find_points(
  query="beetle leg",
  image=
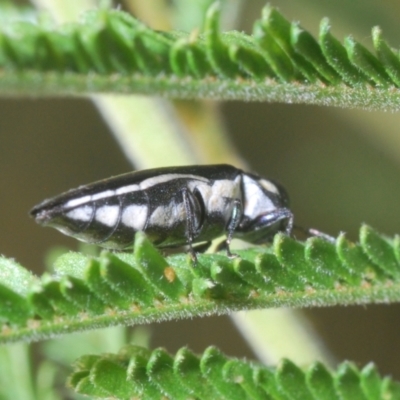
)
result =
(285, 212)
(233, 224)
(190, 224)
(278, 215)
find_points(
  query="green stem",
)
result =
(275, 334)
(147, 130)
(16, 379)
(34, 83)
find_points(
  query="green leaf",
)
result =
(72, 264)
(211, 366)
(241, 373)
(217, 51)
(292, 381)
(379, 250)
(160, 371)
(290, 255)
(127, 281)
(276, 26)
(386, 56)
(110, 377)
(306, 45)
(265, 379)
(336, 55)
(157, 271)
(322, 255)
(371, 382)
(347, 382)
(16, 277)
(76, 292)
(320, 382)
(390, 389)
(137, 372)
(14, 309)
(187, 367)
(15, 284)
(366, 62)
(123, 288)
(354, 258)
(109, 51)
(97, 283)
(214, 375)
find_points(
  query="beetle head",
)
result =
(265, 210)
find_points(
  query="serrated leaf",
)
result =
(278, 27)
(156, 269)
(241, 373)
(322, 255)
(187, 368)
(16, 277)
(160, 371)
(125, 288)
(247, 272)
(290, 255)
(223, 273)
(214, 375)
(109, 376)
(137, 374)
(336, 55)
(211, 366)
(320, 382)
(217, 51)
(124, 279)
(348, 382)
(386, 56)
(306, 45)
(276, 58)
(40, 304)
(97, 284)
(390, 390)
(60, 303)
(273, 273)
(72, 264)
(76, 292)
(14, 309)
(292, 381)
(366, 62)
(379, 250)
(357, 262)
(265, 378)
(110, 51)
(371, 382)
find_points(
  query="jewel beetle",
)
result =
(174, 206)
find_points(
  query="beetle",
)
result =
(174, 206)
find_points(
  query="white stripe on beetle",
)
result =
(83, 213)
(146, 184)
(135, 217)
(107, 215)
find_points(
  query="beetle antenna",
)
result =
(316, 233)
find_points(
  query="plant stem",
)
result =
(275, 334)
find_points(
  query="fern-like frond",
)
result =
(123, 288)
(110, 51)
(139, 373)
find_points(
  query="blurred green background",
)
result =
(340, 167)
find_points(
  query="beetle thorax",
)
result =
(258, 197)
